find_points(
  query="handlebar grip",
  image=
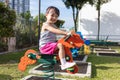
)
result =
(32, 56)
(67, 37)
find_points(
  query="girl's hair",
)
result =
(54, 8)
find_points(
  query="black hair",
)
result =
(54, 8)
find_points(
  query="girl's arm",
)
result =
(55, 30)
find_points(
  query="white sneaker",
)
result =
(67, 65)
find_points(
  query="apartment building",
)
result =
(20, 6)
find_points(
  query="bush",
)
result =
(3, 46)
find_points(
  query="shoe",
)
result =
(67, 65)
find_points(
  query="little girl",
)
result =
(47, 42)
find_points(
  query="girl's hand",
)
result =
(70, 33)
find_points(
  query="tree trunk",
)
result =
(11, 44)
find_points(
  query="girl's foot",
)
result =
(67, 65)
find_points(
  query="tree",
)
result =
(98, 4)
(42, 19)
(27, 16)
(59, 23)
(76, 6)
(7, 21)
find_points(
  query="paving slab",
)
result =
(84, 70)
(102, 48)
(109, 54)
(80, 58)
(106, 52)
(36, 77)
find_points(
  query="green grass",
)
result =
(103, 68)
(117, 48)
(9, 66)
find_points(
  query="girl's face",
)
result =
(51, 16)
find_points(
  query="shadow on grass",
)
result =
(106, 68)
(5, 77)
(94, 72)
(11, 57)
(103, 59)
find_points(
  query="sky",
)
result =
(65, 14)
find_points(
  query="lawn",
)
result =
(8, 66)
(116, 48)
(103, 68)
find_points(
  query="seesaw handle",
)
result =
(67, 37)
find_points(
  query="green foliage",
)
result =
(59, 23)
(76, 5)
(26, 15)
(42, 19)
(25, 33)
(25, 40)
(98, 3)
(7, 21)
(3, 46)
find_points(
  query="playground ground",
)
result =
(103, 67)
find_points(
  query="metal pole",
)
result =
(99, 18)
(39, 23)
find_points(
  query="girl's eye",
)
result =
(54, 16)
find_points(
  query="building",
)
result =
(20, 6)
(109, 21)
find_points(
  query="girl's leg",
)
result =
(61, 53)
